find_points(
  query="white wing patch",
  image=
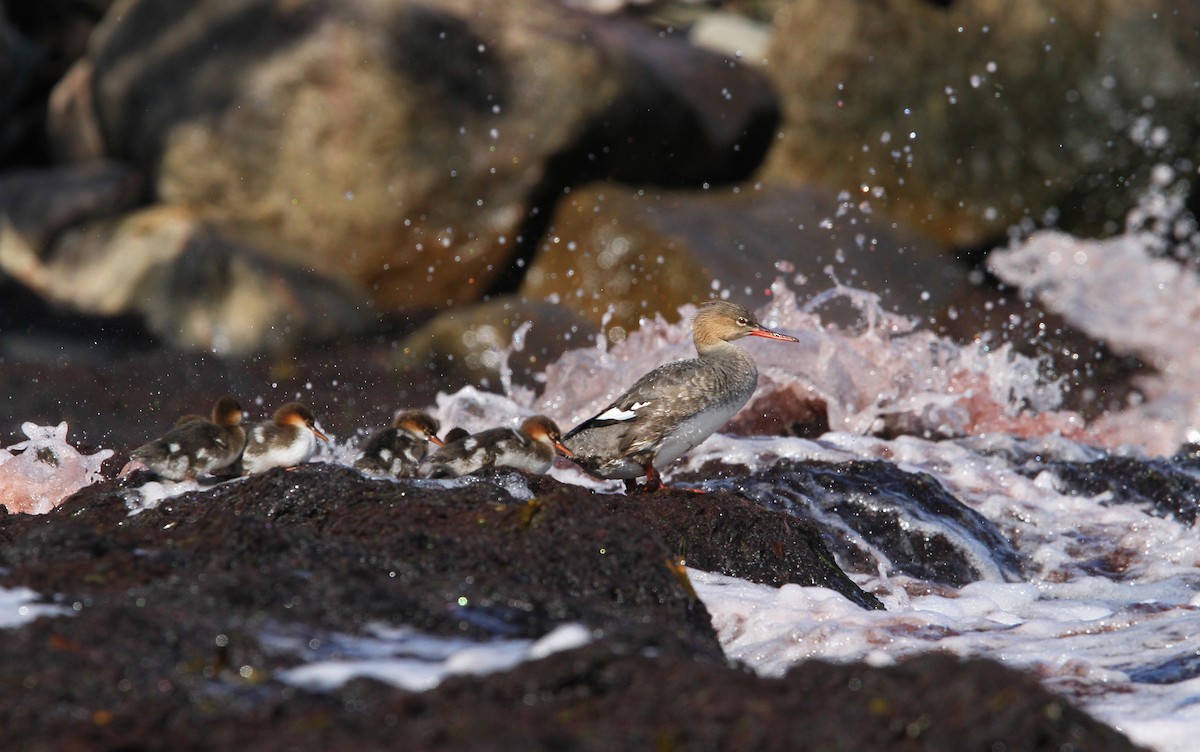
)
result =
(616, 414)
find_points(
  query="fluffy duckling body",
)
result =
(398, 450)
(530, 448)
(288, 439)
(197, 445)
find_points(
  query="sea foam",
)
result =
(37, 474)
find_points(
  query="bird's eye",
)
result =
(742, 321)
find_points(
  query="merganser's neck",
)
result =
(714, 346)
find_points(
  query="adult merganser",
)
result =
(398, 450)
(196, 445)
(531, 448)
(676, 406)
(287, 440)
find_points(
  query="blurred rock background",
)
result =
(258, 178)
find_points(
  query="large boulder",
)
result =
(414, 146)
(968, 117)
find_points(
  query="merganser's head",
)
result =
(297, 414)
(542, 429)
(227, 412)
(721, 321)
(419, 425)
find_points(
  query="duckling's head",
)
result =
(543, 430)
(297, 414)
(227, 412)
(418, 424)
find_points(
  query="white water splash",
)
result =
(154, 492)
(1119, 291)
(882, 373)
(1101, 641)
(1086, 639)
(409, 659)
(36, 475)
(19, 606)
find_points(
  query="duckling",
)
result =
(287, 440)
(196, 445)
(398, 450)
(530, 448)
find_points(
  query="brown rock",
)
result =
(642, 251)
(200, 282)
(408, 143)
(72, 130)
(968, 117)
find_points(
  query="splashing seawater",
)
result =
(1119, 291)
(36, 475)
(885, 373)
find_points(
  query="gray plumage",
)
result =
(676, 406)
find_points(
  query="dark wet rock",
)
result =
(416, 147)
(165, 639)
(37, 205)
(641, 251)
(869, 509)
(324, 546)
(722, 532)
(933, 702)
(20, 66)
(1165, 487)
(970, 117)
(59, 28)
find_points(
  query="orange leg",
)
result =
(653, 480)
